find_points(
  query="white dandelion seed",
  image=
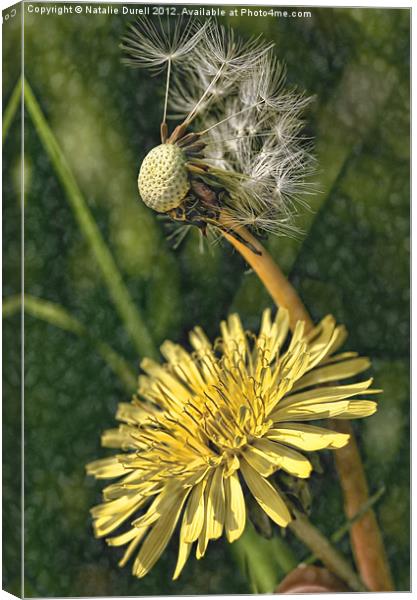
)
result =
(151, 46)
(241, 159)
(156, 47)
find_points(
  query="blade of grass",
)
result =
(58, 316)
(10, 306)
(135, 325)
(11, 108)
(346, 527)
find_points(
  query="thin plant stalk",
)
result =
(366, 539)
(54, 314)
(164, 127)
(346, 527)
(240, 112)
(325, 551)
(11, 108)
(129, 313)
(367, 542)
(192, 114)
(278, 286)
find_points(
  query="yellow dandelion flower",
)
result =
(210, 427)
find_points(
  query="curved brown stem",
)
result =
(366, 539)
(324, 550)
(278, 286)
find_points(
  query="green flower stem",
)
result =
(263, 561)
(323, 549)
(134, 322)
(11, 108)
(342, 531)
(59, 317)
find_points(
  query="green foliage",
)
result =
(11, 108)
(116, 288)
(263, 561)
(93, 248)
(57, 315)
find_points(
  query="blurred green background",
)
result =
(352, 261)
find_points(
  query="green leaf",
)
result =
(11, 108)
(58, 316)
(264, 561)
(134, 322)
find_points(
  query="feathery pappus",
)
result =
(237, 157)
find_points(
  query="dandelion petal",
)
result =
(235, 508)
(308, 437)
(194, 513)
(266, 496)
(158, 538)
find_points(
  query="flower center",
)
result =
(231, 424)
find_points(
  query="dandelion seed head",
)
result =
(240, 127)
(163, 179)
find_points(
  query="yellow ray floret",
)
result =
(209, 428)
